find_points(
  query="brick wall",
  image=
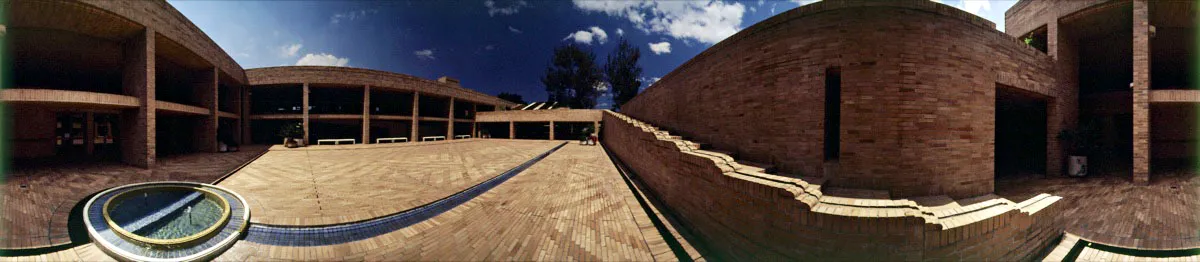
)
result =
(378, 80)
(917, 113)
(563, 115)
(745, 215)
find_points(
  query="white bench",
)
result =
(391, 139)
(462, 136)
(434, 138)
(335, 141)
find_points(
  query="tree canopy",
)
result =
(510, 97)
(621, 70)
(572, 77)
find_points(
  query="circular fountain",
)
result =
(166, 221)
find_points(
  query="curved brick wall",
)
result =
(373, 78)
(741, 214)
(918, 94)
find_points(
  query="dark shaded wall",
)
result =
(917, 113)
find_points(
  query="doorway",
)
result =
(1020, 135)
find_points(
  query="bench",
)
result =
(391, 139)
(462, 136)
(335, 141)
(434, 138)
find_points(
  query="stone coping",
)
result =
(118, 247)
(946, 216)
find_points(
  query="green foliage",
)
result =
(515, 98)
(572, 77)
(291, 131)
(622, 72)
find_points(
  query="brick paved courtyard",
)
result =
(36, 215)
(572, 205)
(323, 185)
(1110, 209)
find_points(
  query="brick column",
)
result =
(305, 110)
(206, 140)
(89, 133)
(596, 128)
(244, 113)
(512, 131)
(1141, 92)
(551, 130)
(415, 116)
(474, 125)
(137, 125)
(366, 115)
(450, 124)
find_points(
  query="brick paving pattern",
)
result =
(323, 185)
(1109, 209)
(570, 206)
(36, 216)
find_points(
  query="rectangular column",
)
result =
(305, 112)
(1141, 92)
(244, 113)
(89, 133)
(366, 115)
(137, 125)
(474, 125)
(415, 116)
(551, 130)
(596, 128)
(512, 132)
(206, 138)
(450, 124)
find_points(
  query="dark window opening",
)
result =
(494, 130)
(335, 100)
(431, 106)
(532, 130)
(391, 103)
(390, 129)
(1037, 39)
(283, 99)
(833, 113)
(1020, 134)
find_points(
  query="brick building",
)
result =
(807, 123)
(134, 80)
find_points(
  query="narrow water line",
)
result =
(343, 233)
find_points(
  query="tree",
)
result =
(572, 76)
(510, 97)
(622, 73)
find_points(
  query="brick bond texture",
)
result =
(378, 80)
(558, 115)
(917, 112)
(743, 215)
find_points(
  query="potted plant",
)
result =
(291, 135)
(1079, 143)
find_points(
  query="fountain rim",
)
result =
(116, 252)
(225, 213)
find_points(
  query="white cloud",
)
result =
(426, 54)
(804, 2)
(514, 30)
(761, 2)
(660, 48)
(289, 50)
(586, 37)
(351, 16)
(975, 6)
(647, 82)
(620, 32)
(322, 59)
(703, 21)
(513, 8)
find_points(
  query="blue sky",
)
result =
(491, 46)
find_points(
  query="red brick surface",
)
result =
(746, 217)
(917, 112)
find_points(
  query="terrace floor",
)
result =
(572, 205)
(1111, 209)
(323, 185)
(35, 202)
